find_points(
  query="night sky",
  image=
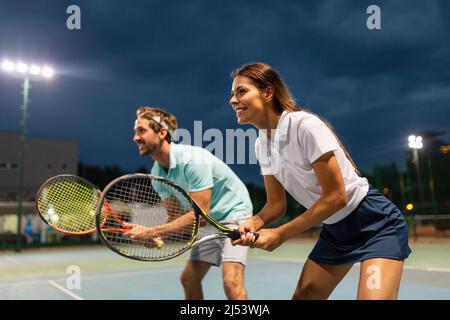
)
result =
(375, 86)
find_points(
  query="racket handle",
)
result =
(234, 235)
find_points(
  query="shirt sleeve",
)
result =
(263, 158)
(199, 176)
(316, 138)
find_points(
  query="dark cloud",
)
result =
(376, 87)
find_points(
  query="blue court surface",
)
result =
(51, 274)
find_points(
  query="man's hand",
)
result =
(139, 232)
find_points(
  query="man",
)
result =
(215, 188)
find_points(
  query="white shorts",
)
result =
(219, 250)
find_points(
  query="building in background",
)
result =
(44, 158)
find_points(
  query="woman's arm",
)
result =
(273, 209)
(275, 206)
(333, 198)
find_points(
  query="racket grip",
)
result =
(236, 235)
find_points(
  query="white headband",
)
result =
(158, 120)
(163, 124)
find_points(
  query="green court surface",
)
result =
(48, 274)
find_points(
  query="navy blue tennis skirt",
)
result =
(375, 229)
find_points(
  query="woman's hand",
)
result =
(269, 239)
(247, 230)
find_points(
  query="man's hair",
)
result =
(158, 118)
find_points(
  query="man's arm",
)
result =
(203, 199)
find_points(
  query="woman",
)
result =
(299, 152)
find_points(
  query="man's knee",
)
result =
(189, 280)
(233, 281)
(234, 289)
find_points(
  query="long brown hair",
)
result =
(264, 76)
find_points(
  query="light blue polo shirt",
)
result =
(196, 169)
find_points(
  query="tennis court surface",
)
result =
(52, 274)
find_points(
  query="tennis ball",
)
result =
(54, 219)
(159, 243)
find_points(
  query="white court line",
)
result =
(21, 283)
(427, 269)
(356, 265)
(94, 276)
(11, 259)
(127, 274)
(66, 291)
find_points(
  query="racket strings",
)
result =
(146, 203)
(69, 203)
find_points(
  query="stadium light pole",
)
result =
(27, 73)
(415, 143)
(431, 183)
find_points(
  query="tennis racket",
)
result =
(68, 204)
(162, 218)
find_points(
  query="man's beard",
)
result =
(148, 150)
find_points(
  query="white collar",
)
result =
(281, 131)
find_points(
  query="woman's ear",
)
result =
(268, 94)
